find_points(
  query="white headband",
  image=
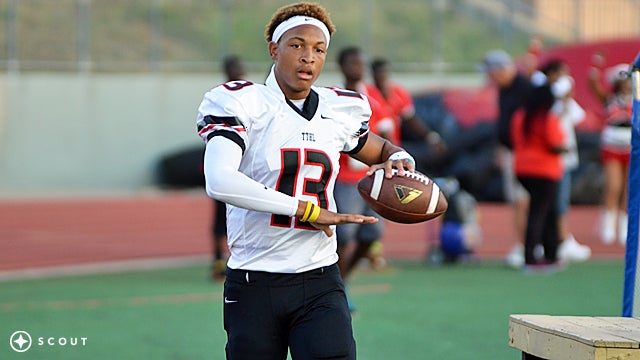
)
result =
(297, 21)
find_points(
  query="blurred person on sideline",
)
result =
(570, 114)
(365, 236)
(615, 143)
(398, 99)
(531, 59)
(425, 144)
(460, 232)
(513, 90)
(538, 142)
(281, 141)
(234, 70)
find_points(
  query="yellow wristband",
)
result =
(315, 214)
(307, 211)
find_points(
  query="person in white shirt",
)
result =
(272, 155)
(570, 114)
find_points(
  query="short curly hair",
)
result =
(302, 8)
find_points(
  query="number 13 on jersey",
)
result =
(294, 162)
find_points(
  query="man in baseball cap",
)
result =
(496, 59)
(513, 88)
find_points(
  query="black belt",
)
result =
(622, 123)
(251, 276)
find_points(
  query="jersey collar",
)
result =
(310, 104)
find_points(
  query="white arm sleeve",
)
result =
(225, 183)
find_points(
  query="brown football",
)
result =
(407, 199)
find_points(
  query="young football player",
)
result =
(272, 155)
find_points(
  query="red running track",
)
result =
(46, 233)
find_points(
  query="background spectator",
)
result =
(616, 99)
(570, 113)
(538, 141)
(513, 90)
(234, 69)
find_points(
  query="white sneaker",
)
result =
(623, 222)
(515, 258)
(538, 252)
(608, 227)
(571, 250)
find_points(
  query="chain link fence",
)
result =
(193, 35)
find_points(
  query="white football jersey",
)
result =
(293, 151)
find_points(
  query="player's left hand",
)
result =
(401, 164)
(328, 218)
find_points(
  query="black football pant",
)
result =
(267, 313)
(542, 221)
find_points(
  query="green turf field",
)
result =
(411, 311)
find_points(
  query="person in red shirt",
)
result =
(400, 104)
(352, 64)
(538, 142)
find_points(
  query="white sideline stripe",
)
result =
(107, 267)
(435, 195)
(378, 176)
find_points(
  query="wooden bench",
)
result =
(575, 337)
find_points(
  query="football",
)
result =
(407, 199)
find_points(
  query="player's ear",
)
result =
(273, 50)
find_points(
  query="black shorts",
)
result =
(219, 218)
(267, 313)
